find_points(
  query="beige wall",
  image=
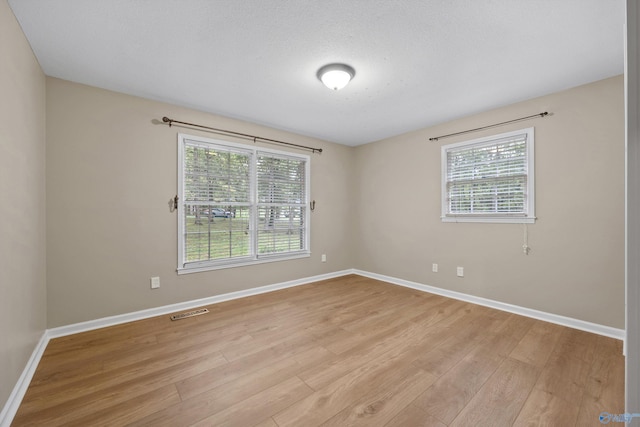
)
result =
(110, 173)
(22, 211)
(576, 266)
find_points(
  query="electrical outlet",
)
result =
(460, 271)
(155, 282)
(324, 257)
(434, 267)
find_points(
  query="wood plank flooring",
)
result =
(343, 352)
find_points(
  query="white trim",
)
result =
(17, 394)
(488, 219)
(228, 264)
(186, 305)
(569, 322)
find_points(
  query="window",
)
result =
(489, 179)
(239, 205)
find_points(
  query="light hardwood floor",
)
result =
(342, 352)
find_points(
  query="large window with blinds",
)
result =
(489, 179)
(239, 205)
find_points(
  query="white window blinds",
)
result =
(239, 205)
(282, 203)
(489, 178)
(216, 203)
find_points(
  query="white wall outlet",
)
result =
(155, 282)
(434, 267)
(324, 257)
(460, 271)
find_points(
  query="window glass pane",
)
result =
(488, 178)
(280, 180)
(216, 232)
(280, 229)
(213, 175)
(281, 204)
(488, 196)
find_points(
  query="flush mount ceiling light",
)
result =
(336, 76)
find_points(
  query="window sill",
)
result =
(487, 219)
(241, 263)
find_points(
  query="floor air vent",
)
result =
(189, 314)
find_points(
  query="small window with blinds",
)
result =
(239, 205)
(489, 179)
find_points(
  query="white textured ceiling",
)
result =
(418, 62)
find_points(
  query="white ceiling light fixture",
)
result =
(336, 76)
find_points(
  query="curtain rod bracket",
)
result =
(166, 119)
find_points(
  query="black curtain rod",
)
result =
(244, 135)
(490, 126)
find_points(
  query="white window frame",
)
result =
(527, 217)
(254, 257)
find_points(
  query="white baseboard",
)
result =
(523, 311)
(13, 403)
(15, 398)
(187, 305)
